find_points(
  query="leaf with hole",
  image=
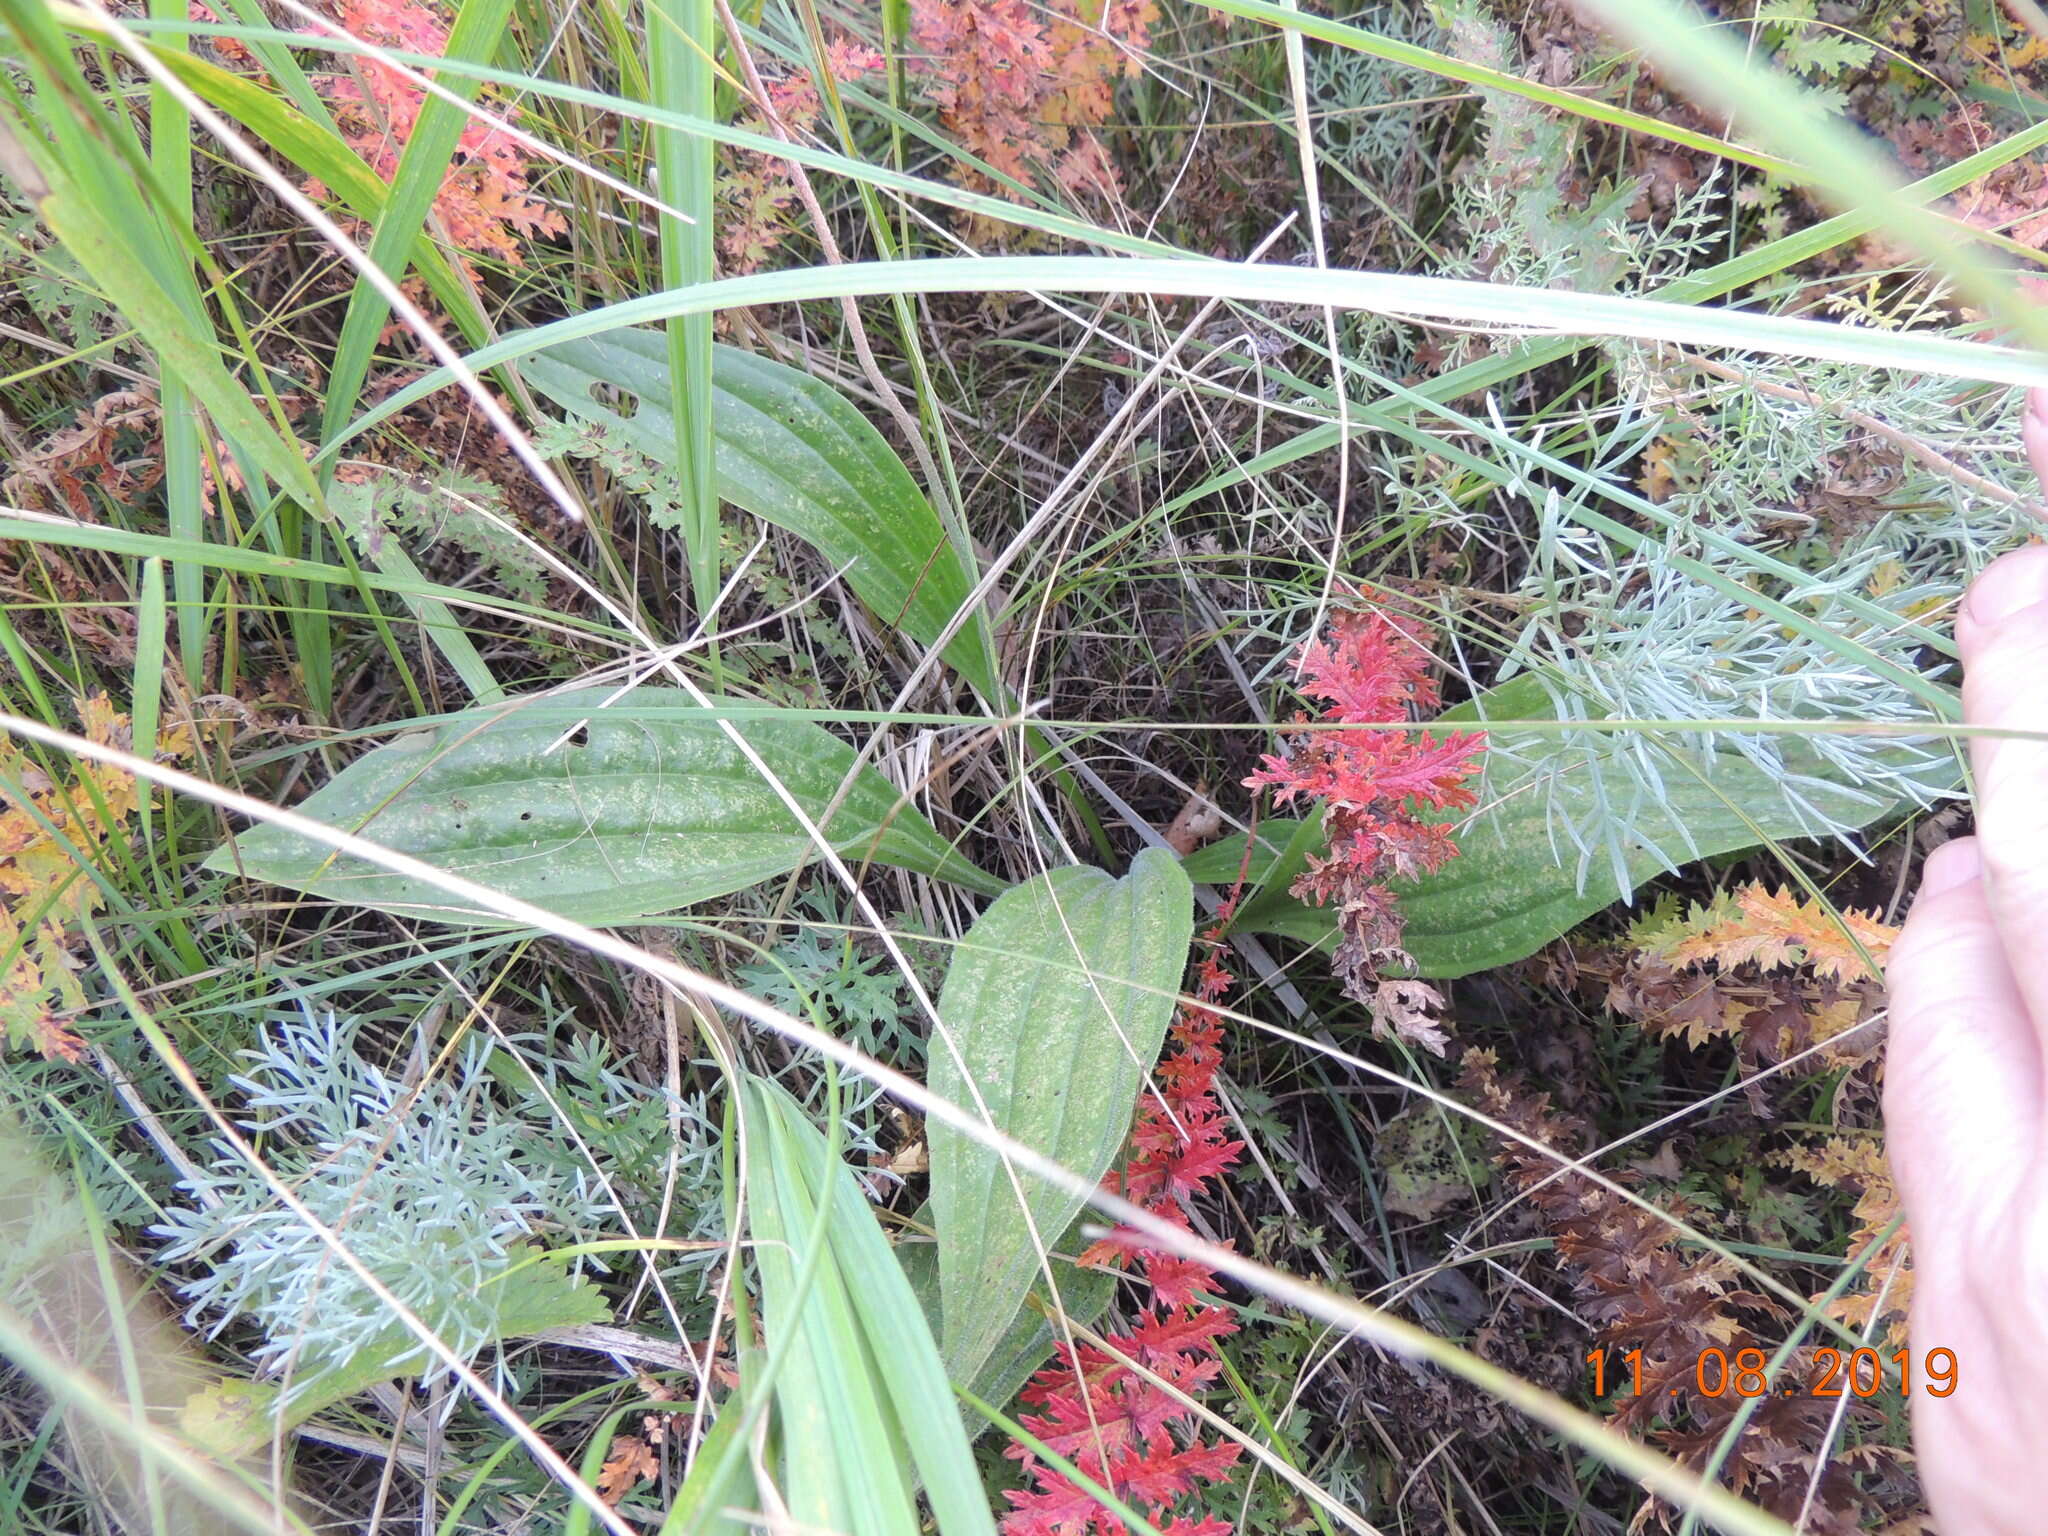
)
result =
(794, 452)
(599, 805)
(1057, 1002)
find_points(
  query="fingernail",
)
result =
(2010, 583)
(1954, 863)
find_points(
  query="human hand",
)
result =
(1964, 1089)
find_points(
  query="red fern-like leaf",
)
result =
(1116, 1425)
(1373, 786)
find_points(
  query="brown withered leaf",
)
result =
(1640, 1290)
(631, 1463)
(1197, 822)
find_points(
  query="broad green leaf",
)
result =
(794, 452)
(601, 807)
(234, 1416)
(1084, 1296)
(1272, 871)
(1057, 1003)
(1267, 907)
(1513, 888)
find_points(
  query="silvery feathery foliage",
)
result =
(1643, 639)
(438, 1190)
(817, 973)
(1783, 436)
(1359, 99)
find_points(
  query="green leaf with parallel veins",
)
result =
(794, 452)
(1513, 888)
(1057, 1003)
(1084, 1295)
(601, 806)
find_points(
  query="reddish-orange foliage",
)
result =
(229, 49)
(1022, 84)
(755, 192)
(1775, 974)
(1775, 930)
(484, 203)
(1882, 1244)
(1374, 787)
(1095, 1410)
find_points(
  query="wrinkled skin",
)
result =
(1964, 1084)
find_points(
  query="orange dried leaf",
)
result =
(631, 1463)
(1859, 1164)
(49, 832)
(1775, 929)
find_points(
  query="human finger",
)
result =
(1963, 1069)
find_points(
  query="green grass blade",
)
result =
(280, 63)
(1581, 314)
(443, 628)
(682, 36)
(107, 257)
(714, 1482)
(309, 143)
(893, 1328)
(843, 1453)
(882, 178)
(1344, 35)
(170, 154)
(1839, 162)
(1693, 288)
(146, 702)
(421, 167)
(410, 587)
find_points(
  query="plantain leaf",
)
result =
(647, 807)
(794, 452)
(1085, 1295)
(1513, 887)
(1057, 1003)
